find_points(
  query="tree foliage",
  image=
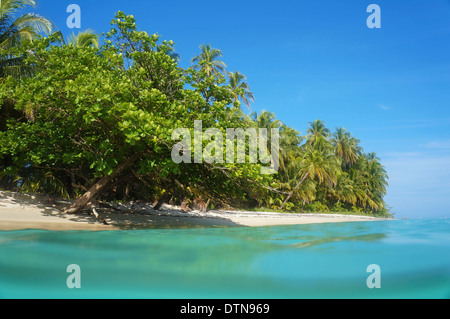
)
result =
(97, 122)
(14, 31)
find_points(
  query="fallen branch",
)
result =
(94, 211)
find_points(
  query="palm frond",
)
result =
(35, 21)
(207, 60)
(84, 39)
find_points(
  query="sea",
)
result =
(374, 259)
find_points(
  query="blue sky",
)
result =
(308, 60)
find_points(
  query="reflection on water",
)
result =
(312, 242)
(295, 261)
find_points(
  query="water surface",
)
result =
(295, 261)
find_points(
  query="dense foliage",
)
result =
(14, 30)
(97, 122)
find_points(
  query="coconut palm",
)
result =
(318, 133)
(15, 30)
(266, 120)
(84, 39)
(370, 181)
(316, 164)
(208, 61)
(377, 175)
(344, 190)
(290, 140)
(240, 88)
(345, 146)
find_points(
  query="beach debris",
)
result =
(94, 211)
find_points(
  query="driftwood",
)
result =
(94, 211)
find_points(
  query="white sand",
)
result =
(22, 211)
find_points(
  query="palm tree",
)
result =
(14, 31)
(208, 60)
(288, 180)
(316, 164)
(345, 146)
(318, 133)
(377, 176)
(370, 181)
(290, 140)
(240, 88)
(268, 121)
(345, 190)
(84, 39)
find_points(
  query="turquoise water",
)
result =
(300, 261)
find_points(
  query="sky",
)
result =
(309, 59)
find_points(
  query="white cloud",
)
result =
(384, 107)
(438, 144)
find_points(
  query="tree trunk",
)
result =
(72, 185)
(206, 205)
(94, 211)
(81, 202)
(295, 188)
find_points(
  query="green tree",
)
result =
(344, 190)
(15, 30)
(369, 182)
(106, 115)
(316, 164)
(240, 88)
(208, 61)
(266, 120)
(102, 118)
(377, 179)
(317, 134)
(345, 146)
(84, 39)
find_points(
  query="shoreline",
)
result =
(35, 211)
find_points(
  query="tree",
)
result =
(97, 112)
(377, 179)
(15, 30)
(106, 115)
(240, 88)
(290, 140)
(369, 182)
(345, 146)
(316, 164)
(99, 124)
(344, 190)
(266, 120)
(318, 133)
(84, 39)
(208, 61)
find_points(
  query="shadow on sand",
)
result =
(50, 209)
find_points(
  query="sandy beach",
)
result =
(26, 211)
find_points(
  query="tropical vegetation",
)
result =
(14, 31)
(94, 121)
